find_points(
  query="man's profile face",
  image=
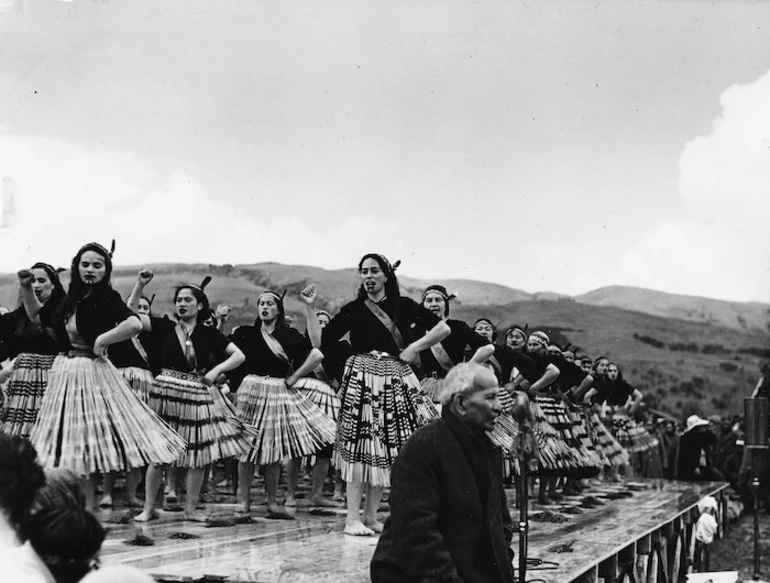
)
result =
(482, 407)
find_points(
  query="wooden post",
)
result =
(676, 565)
(608, 569)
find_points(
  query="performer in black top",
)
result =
(193, 356)
(271, 399)
(90, 421)
(442, 356)
(30, 342)
(134, 358)
(382, 402)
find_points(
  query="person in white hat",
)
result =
(695, 449)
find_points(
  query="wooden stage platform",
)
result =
(643, 524)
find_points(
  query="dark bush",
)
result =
(649, 340)
(728, 366)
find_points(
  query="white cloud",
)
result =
(68, 196)
(722, 243)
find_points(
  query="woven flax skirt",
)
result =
(290, 424)
(382, 405)
(202, 416)
(91, 421)
(632, 436)
(24, 393)
(140, 380)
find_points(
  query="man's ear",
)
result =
(459, 400)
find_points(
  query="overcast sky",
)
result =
(559, 145)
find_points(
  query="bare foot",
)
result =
(106, 502)
(243, 509)
(375, 525)
(146, 516)
(322, 503)
(357, 528)
(339, 496)
(134, 503)
(290, 502)
(275, 512)
(195, 516)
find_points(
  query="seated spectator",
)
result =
(20, 478)
(68, 540)
(62, 488)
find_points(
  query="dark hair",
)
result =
(148, 300)
(391, 281)
(440, 290)
(598, 359)
(280, 322)
(68, 541)
(392, 290)
(78, 288)
(200, 296)
(488, 321)
(57, 294)
(20, 478)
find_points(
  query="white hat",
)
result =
(694, 421)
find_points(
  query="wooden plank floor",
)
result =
(603, 531)
(313, 548)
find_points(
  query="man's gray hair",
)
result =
(461, 380)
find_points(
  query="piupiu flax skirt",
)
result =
(24, 392)
(202, 416)
(91, 421)
(140, 380)
(632, 436)
(382, 405)
(583, 460)
(515, 441)
(322, 395)
(290, 425)
(432, 386)
(613, 453)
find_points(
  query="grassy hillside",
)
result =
(682, 366)
(739, 315)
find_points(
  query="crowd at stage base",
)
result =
(96, 387)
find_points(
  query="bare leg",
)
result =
(195, 478)
(272, 475)
(152, 482)
(319, 472)
(373, 498)
(172, 484)
(292, 477)
(245, 477)
(89, 488)
(339, 487)
(133, 477)
(353, 524)
(109, 480)
(542, 494)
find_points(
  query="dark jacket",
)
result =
(441, 527)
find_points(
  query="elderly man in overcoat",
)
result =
(449, 518)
